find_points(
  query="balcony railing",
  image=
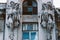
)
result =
(30, 18)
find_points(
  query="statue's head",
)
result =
(49, 4)
(44, 6)
(11, 2)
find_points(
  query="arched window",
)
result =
(29, 7)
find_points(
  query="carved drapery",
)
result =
(13, 19)
(13, 15)
(47, 19)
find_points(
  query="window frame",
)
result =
(30, 31)
(34, 28)
(32, 6)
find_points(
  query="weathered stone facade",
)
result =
(28, 20)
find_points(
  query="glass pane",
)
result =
(25, 35)
(34, 26)
(29, 3)
(24, 26)
(34, 36)
(34, 10)
(24, 9)
(34, 4)
(29, 9)
(29, 27)
(25, 39)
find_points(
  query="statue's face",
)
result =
(12, 3)
(49, 5)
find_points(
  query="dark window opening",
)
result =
(30, 7)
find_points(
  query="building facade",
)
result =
(57, 17)
(28, 20)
